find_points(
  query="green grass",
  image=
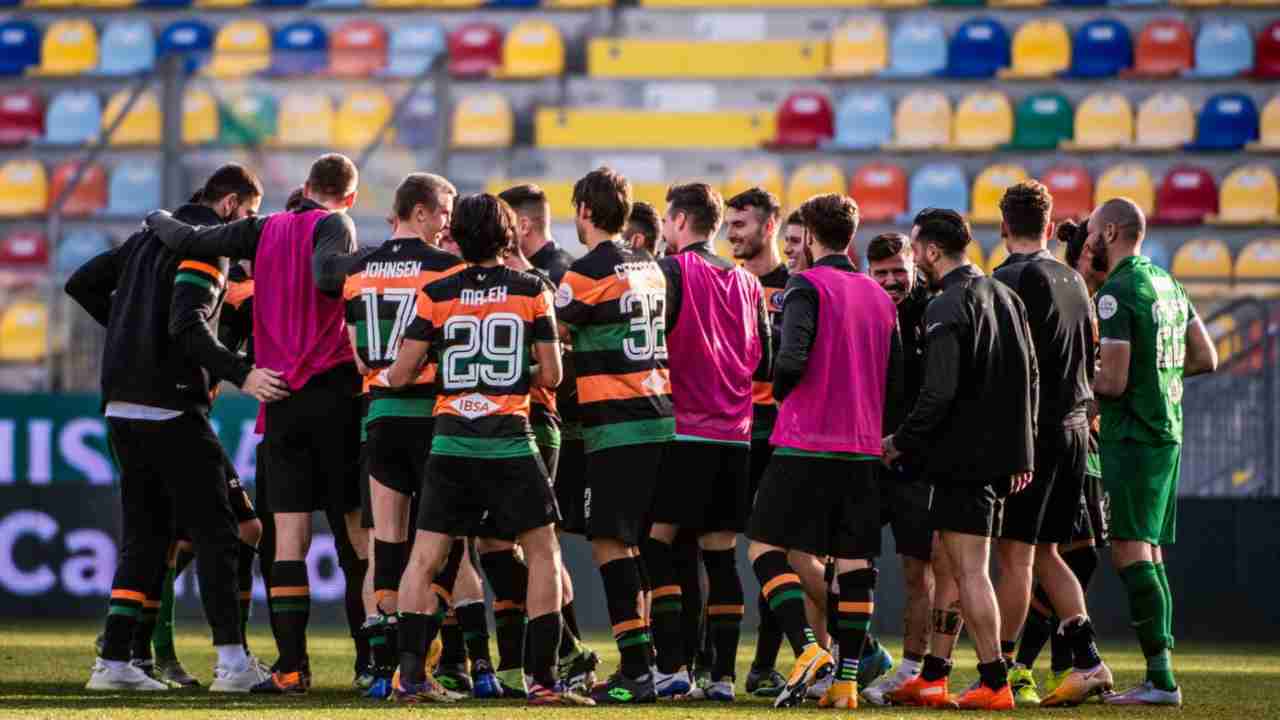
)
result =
(44, 665)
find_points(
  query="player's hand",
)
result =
(265, 385)
(888, 453)
(361, 367)
(1019, 482)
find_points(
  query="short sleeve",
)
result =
(568, 298)
(351, 300)
(544, 318)
(423, 324)
(1115, 315)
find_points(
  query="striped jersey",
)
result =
(381, 295)
(544, 412)
(613, 300)
(764, 408)
(484, 322)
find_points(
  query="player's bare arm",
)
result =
(410, 358)
(1113, 369)
(1202, 355)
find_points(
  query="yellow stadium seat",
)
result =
(1250, 195)
(815, 179)
(999, 254)
(533, 48)
(1203, 266)
(988, 189)
(1258, 267)
(1270, 127)
(306, 120)
(584, 128)
(755, 173)
(241, 48)
(1103, 121)
(103, 4)
(654, 193)
(922, 120)
(394, 4)
(199, 118)
(1199, 3)
(70, 47)
(859, 47)
(1017, 3)
(637, 57)
(48, 4)
(1041, 48)
(223, 3)
(483, 121)
(1165, 122)
(24, 332)
(983, 120)
(141, 126)
(1131, 181)
(361, 116)
(24, 188)
(974, 252)
(452, 4)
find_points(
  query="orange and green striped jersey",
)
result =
(613, 300)
(543, 411)
(381, 294)
(484, 323)
(763, 407)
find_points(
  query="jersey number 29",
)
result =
(488, 351)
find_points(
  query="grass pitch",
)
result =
(44, 665)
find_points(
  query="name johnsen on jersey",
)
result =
(399, 269)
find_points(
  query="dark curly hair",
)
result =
(484, 226)
(1026, 208)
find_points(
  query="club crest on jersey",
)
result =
(564, 295)
(1107, 306)
(775, 298)
(474, 406)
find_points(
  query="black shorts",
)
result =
(510, 495)
(818, 505)
(551, 459)
(241, 505)
(398, 450)
(904, 507)
(314, 438)
(1093, 519)
(620, 485)
(761, 453)
(1046, 511)
(704, 487)
(968, 509)
(569, 482)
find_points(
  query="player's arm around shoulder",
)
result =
(546, 342)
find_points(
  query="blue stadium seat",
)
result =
(978, 49)
(1156, 250)
(134, 188)
(299, 48)
(128, 47)
(1135, 3)
(282, 3)
(1223, 49)
(419, 124)
(918, 47)
(938, 185)
(192, 39)
(73, 117)
(1228, 121)
(1079, 3)
(164, 3)
(863, 121)
(78, 247)
(19, 47)
(412, 48)
(336, 3)
(1101, 48)
(509, 4)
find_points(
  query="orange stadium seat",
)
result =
(199, 118)
(358, 48)
(988, 189)
(1072, 191)
(483, 121)
(1041, 48)
(1250, 195)
(305, 120)
(983, 119)
(805, 120)
(814, 179)
(87, 197)
(241, 48)
(1186, 196)
(756, 173)
(1130, 181)
(881, 191)
(1203, 266)
(141, 125)
(70, 47)
(922, 120)
(1164, 49)
(1165, 122)
(362, 115)
(859, 47)
(532, 49)
(24, 188)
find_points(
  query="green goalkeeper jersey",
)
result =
(1142, 305)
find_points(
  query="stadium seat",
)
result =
(89, 195)
(1258, 265)
(21, 117)
(1101, 48)
(864, 121)
(24, 188)
(859, 47)
(1249, 196)
(24, 248)
(1203, 266)
(621, 129)
(418, 125)
(335, 4)
(754, 173)
(134, 188)
(305, 119)
(128, 47)
(73, 117)
(922, 120)
(248, 119)
(241, 48)
(1103, 121)
(277, 4)
(413, 48)
(1131, 181)
(192, 39)
(1157, 251)
(475, 50)
(938, 185)
(141, 126)
(1165, 122)
(1266, 61)
(999, 254)
(19, 47)
(881, 191)
(814, 179)
(805, 120)
(1164, 49)
(300, 48)
(78, 247)
(199, 118)
(532, 49)
(978, 49)
(1228, 121)
(1223, 49)
(24, 332)
(223, 4)
(486, 121)
(1043, 121)
(164, 4)
(983, 119)
(974, 252)
(644, 58)
(70, 47)
(1072, 191)
(361, 116)
(918, 48)
(988, 189)
(1041, 48)
(1186, 196)
(1269, 131)
(358, 48)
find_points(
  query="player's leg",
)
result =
(932, 686)
(469, 607)
(508, 578)
(421, 613)
(1016, 561)
(763, 679)
(250, 534)
(723, 516)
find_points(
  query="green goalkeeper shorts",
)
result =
(1142, 481)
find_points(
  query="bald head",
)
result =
(1116, 230)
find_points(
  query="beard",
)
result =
(1098, 261)
(747, 248)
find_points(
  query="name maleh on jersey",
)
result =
(483, 297)
(398, 269)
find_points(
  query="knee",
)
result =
(916, 578)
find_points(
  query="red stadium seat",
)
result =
(1072, 191)
(24, 249)
(805, 120)
(475, 50)
(21, 117)
(1266, 53)
(89, 195)
(1164, 48)
(358, 48)
(1185, 196)
(881, 191)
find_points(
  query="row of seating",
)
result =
(318, 4)
(133, 187)
(895, 4)
(24, 330)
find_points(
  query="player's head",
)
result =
(601, 203)
(752, 218)
(939, 241)
(641, 232)
(892, 265)
(831, 220)
(295, 199)
(693, 214)
(423, 205)
(333, 181)
(1026, 211)
(232, 191)
(1116, 230)
(1074, 236)
(484, 226)
(533, 212)
(793, 246)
